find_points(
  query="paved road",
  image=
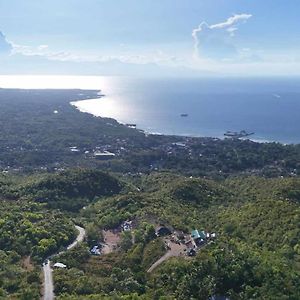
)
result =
(48, 281)
(48, 278)
(79, 238)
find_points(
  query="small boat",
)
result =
(184, 115)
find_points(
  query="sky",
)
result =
(150, 37)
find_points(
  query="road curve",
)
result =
(47, 270)
(79, 237)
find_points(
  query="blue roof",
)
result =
(195, 234)
(202, 234)
(198, 234)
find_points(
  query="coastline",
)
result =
(96, 94)
(280, 127)
(76, 104)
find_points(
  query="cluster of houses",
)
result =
(110, 151)
(197, 239)
(98, 154)
(193, 241)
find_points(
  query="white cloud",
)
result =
(132, 57)
(195, 33)
(231, 21)
(216, 41)
(216, 48)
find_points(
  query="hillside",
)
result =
(70, 190)
(33, 226)
(240, 199)
(255, 256)
(28, 234)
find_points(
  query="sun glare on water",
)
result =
(98, 107)
(55, 82)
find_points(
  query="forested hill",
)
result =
(255, 256)
(34, 222)
(71, 190)
(67, 190)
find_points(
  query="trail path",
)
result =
(175, 250)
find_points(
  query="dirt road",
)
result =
(175, 250)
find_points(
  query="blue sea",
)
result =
(270, 107)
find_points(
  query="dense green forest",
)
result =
(28, 233)
(71, 190)
(246, 193)
(256, 255)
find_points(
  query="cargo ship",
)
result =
(237, 135)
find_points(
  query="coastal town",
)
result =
(75, 139)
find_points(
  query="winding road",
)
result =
(48, 278)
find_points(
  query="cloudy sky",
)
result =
(150, 37)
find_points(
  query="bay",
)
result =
(270, 107)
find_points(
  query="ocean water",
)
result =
(270, 107)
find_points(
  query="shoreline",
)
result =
(100, 96)
(96, 94)
(90, 86)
